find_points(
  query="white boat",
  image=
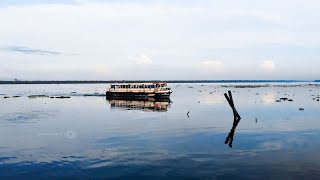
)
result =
(139, 90)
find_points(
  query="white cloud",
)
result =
(212, 65)
(268, 65)
(141, 59)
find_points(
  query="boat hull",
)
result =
(137, 95)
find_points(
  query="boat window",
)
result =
(151, 86)
(112, 86)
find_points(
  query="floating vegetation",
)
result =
(270, 85)
(62, 97)
(38, 96)
(245, 86)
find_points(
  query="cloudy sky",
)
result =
(167, 39)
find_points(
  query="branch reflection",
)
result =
(232, 131)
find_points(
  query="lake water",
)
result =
(89, 137)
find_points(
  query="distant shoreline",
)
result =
(168, 81)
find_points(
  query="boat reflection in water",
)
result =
(148, 105)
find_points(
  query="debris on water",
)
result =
(6, 97)
(283, 99)
(62, 97)
(301, 109)
(96, 93)
(188, 114)
(73, 92)
(198, 101)
(16, 96)
(38, 96)
(88, 95)
(51, 97)
(190, 87)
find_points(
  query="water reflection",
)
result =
(211, 98)
(231, 133)
(268, 98)
(150, 105)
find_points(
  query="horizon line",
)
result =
(143, 81)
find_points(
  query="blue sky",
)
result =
(102, 40)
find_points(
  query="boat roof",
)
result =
(150, 83)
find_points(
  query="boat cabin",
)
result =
(159, 85)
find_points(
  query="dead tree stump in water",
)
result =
(231, 103)
(236, 118)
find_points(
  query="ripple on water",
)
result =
(27, 116)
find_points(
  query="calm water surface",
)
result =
(91, 137)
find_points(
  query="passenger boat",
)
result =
(137, 90)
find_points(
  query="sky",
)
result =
(164, 40)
